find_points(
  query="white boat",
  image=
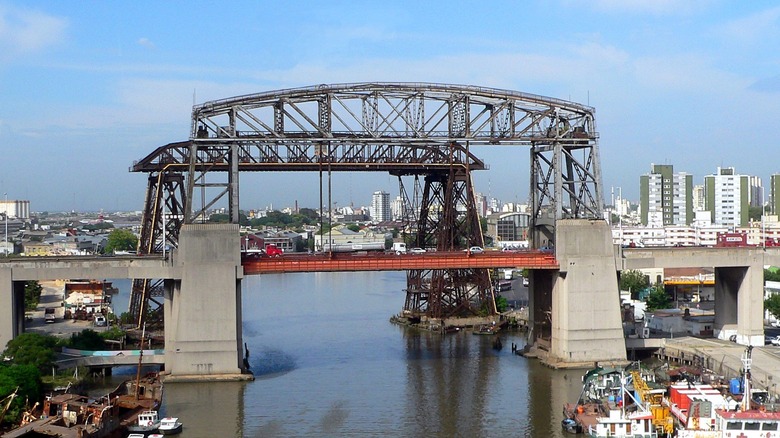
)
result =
(607, 409)
(170, 426)
(147, 422)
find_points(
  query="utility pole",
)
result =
(5, 245)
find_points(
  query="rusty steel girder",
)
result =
(448, 221)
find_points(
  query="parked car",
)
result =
(475, 250)
(775, 341)
(48, 314)
(417, 251)
(100, 320)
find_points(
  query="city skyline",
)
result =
(88, 91)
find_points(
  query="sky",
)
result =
(89, 87)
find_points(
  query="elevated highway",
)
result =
(739, 282)
(91, 267)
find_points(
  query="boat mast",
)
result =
(140, 360)
(746, 362)
(10, 399)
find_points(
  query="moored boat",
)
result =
(170, 426)
(147, 421)
(486, 329)
(606, 408)
(78, 416)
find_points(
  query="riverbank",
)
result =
(445, 325)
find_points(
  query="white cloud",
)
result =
(761, 26)
(687, 73)
(654, 7)
(145, 42)
(24, 31)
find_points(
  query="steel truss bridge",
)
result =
(420, 132)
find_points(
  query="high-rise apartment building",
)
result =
(756, 191)
(727, 197)
(698, 198)
(774, 194)
(380, 207)
(665, 197)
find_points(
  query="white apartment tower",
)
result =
(380, 207)
(727, 197)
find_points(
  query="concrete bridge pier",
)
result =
(11, 307)
(203, 308)
(576, 310)
(738, 311)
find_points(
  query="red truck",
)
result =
(273, 251)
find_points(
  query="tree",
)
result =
(121, 240)
(771, 275)
(219, 218)
(772, 305)
(353, 227)
(87, 340)
(657, 299)
(634, 281)
(501, 304)
(32, 349)
(28, 381)
(32, 295)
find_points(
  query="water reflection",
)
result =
(207, 409)
(448, 383)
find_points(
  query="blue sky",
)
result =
(87, 87)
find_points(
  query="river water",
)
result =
(328, 362)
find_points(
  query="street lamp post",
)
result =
(5, 241)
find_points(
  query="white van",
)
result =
(100, 320)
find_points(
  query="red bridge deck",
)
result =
(379, 261)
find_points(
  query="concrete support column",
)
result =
(739, 305)
(7, 308)
(586, 324)
(203, 309)
(11, 307)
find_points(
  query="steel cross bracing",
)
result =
(401, 128)
(448, 221)
(162, 218)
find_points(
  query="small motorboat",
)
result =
(486, 329)
(170, 426)
(147, 422)
(570, 425)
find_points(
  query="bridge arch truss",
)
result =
(405, 129)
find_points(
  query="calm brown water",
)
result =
(329, 363)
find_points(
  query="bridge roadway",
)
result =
(382, 261)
